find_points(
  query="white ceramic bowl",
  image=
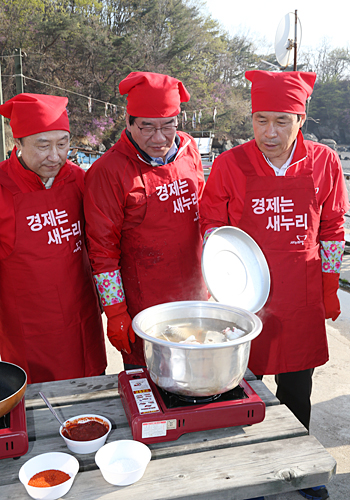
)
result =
(123, 462)
(83, 447)
(58, 461)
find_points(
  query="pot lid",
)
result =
(235, 269)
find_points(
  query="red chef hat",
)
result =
(282, 92)
(152, 95)
(34, 113)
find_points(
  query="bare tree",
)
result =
(329, 64)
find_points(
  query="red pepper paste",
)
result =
(48, 478)
(85, 431)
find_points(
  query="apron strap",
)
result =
(243, 161)
(8, 183)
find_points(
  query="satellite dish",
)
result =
(286, 39)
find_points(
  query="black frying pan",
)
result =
(13, 383)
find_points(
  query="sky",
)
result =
(259, 20)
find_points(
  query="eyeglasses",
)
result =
(149, 131)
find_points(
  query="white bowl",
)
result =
(83, 447)
(46, 461)
(123, 462)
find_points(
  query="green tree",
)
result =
(83, 48)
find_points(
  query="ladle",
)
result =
(53, 412)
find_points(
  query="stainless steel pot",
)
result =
(196, 369)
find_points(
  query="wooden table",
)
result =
(235, 463)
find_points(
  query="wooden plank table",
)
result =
(234, 463)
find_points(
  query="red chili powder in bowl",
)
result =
(48, 478)
(85, 431)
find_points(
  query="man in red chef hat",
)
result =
(50, 322)
(141, 209)
(289, 195)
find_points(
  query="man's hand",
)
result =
(119, 329)
(330, 297)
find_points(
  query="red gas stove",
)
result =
(155, 415)
(13, 432)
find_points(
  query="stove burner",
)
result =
(155, 415)
(198, 399)
(172, 400)
(13, 432)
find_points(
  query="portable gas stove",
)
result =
(13, 432)
(155, 415)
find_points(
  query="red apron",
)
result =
(282, 215)
(49, 318)
(161, 258)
